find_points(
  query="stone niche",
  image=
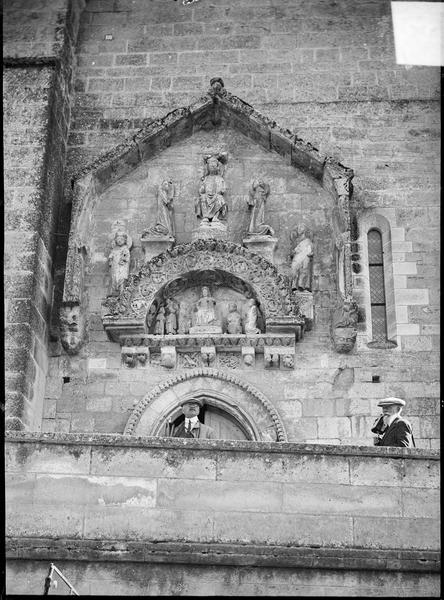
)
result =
(213, 196)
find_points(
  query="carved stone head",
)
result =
(217, 84)
(72, 325)
(344, 339)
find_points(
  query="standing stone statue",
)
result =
(159, 327)
(164, 221)
(301, 264)
(184, 318)
(171, 318)
(251, 319)
(119, 258)
(211, 205)
(234, 324)
(258, 195)
(205, 308)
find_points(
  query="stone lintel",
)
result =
(254, 555)
(261, 244)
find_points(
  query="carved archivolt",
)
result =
(249, 393)
(273, 290)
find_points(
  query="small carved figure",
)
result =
(159, 327)
(205, 308)
(165, 222)
(234, 324)
(71, 328)
(301, 265)
(171, 318)
(211, 205)
(151, 315)
(344, 326)
(258, 195)
(184, 318)
(217, 85)
(345, 315)
(119, 259)
(251, 319)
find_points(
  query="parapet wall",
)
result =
(117, 499)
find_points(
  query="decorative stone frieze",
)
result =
(194, 350)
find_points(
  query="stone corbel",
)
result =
(168, 357)
(271, 357)
(248, 356)
(208, 354)
(129, 356)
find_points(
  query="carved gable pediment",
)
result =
(217, 109)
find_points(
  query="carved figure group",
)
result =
(211, 205)
(258, 196)
(164, 221)
(119, 258)
(175, 317)
(301, 264)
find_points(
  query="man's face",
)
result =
(191, 409)
(390, 409)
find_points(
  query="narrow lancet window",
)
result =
(377, 289)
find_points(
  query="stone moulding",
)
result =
(217, 107)
(256, 555)
(205, 372)
(224, 340)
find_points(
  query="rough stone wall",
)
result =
(38, 53)
(371, 506)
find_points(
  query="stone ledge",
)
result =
(120, 440)
(307, 557)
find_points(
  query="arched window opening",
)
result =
(226, 426)
(377, 288)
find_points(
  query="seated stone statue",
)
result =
(205, 308)
(234, 324)
(205, 314)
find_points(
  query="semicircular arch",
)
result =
(271, 289)
(249, 406)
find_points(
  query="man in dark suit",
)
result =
(191, 427)
(390, 427)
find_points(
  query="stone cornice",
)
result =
(118, 440)
(302, 557)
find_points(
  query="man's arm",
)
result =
(403, 435)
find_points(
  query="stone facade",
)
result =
(104, 101)
(284, 516)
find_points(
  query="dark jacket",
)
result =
(398, 434)
(202, 432)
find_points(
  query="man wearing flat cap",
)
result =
(390, 427)
(191, 426)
